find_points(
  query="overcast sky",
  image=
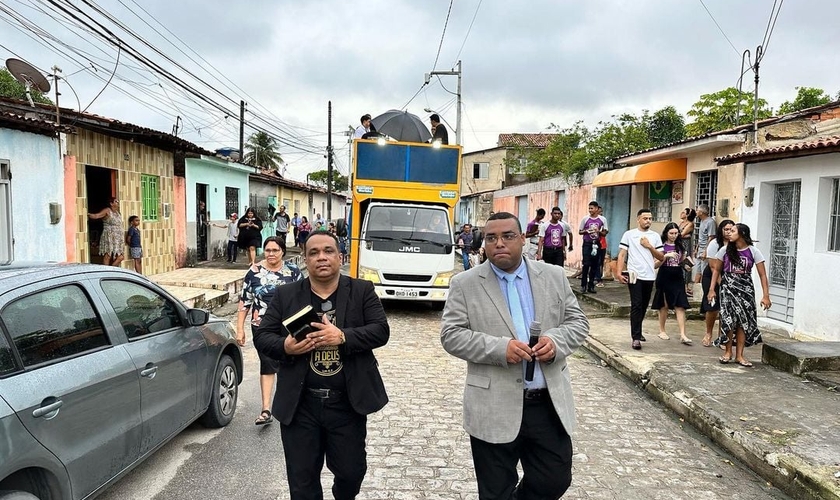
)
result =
(526, 65)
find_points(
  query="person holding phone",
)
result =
(733, 264)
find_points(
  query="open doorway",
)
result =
(202, 225)
(101, 186)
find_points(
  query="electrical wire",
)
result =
(442, 35)
(719, 28)
(468, 32)
(117, 65)
(768, 32)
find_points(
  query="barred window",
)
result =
(661, 210)
(150, 188)
(834, 218)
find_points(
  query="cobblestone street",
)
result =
(626, 446)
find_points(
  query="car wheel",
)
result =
(438, 305)
(17, 495)
(224, 395)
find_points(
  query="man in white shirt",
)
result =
(362, 129)
(640, 247)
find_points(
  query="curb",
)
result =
(786, 471)
(617, 310)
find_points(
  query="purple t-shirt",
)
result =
(671, 261)
(597, 223)
(750, 256)
(553, 235)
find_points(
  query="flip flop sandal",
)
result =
(663, 336)
(723, 360)
(686, 341)
(264, 418)
(745, 364)
(707, 341)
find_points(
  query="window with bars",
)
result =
(706, 190)
(481, 170)
(834, 218)
(661, 210)
(231, 201)
(150, 189)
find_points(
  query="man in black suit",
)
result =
(329, 382)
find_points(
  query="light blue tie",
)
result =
(515, 308)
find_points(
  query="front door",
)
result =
(782, 271)
(201, 221)
(101, 185)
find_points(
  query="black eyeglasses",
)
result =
(492, 238)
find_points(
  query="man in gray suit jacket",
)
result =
(508, 417)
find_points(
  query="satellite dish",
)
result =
(30, 77)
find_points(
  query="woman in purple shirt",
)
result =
(670, 284)
(738, 313)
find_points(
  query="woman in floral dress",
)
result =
(261, 282)
(734, 264)
(112, 240)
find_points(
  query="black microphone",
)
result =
(534, 331)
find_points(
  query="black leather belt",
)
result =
(536, 394)
(324, 393)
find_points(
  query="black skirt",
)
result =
(706, 282)
(670, 289)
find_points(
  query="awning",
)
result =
(664, 170)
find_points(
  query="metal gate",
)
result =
(782, 272)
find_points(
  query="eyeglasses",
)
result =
(492, 238)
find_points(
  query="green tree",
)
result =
(339, 182)
(806, 97)
(262, 152)
(724, 109)
(666, 126)
(13, 89)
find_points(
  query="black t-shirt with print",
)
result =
(326, 363)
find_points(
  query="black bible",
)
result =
(298, 325)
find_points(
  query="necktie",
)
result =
(515, 308)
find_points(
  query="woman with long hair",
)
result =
(738, 314)
(710, 310)
(261, 281)
(250, 234)
(670, 284)
(112, 240)
(686, 228)
(304, 229)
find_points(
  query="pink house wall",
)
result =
(71, 224)
(505, 204)
(577, 207)
(179, 213)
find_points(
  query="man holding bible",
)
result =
(328, 382)
(509, 418)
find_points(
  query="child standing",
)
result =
(232, 236)
(132, 239)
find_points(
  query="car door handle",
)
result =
(45, 410)
(149, 371)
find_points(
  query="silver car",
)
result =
(99, 367)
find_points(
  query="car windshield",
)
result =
(409, 223)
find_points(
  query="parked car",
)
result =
(99, 367)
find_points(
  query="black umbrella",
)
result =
(402, 126)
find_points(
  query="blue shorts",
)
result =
(135, 252)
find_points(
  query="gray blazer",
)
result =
(476, 326)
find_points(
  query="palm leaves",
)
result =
(262, 152)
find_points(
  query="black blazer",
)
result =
(359, 314)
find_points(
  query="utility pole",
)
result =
(56, 70)
(242, 131)
(458, 112)
(329, 160)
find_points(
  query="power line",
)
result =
(445, 23)
(468, 32)
(719, 28)
(768, 32)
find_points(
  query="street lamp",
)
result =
(458, 115)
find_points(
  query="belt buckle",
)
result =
(320, 393)
(534, 394)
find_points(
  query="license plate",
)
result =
(406, 293)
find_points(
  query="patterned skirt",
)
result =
(737, 308)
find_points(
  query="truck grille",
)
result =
(419, 278)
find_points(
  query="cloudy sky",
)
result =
(526, 65)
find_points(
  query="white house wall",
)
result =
(37, 180)
(816, 313)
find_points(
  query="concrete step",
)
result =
(622, 310)
(190, 296)
(229, 280)
(801, 357)
(213, 299)
(829, 380)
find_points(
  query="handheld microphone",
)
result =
(534, 330)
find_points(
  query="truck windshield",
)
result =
(409, 223)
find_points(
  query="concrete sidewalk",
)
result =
(783, 426)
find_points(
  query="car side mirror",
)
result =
(197, 317)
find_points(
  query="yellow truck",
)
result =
(401, 219)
